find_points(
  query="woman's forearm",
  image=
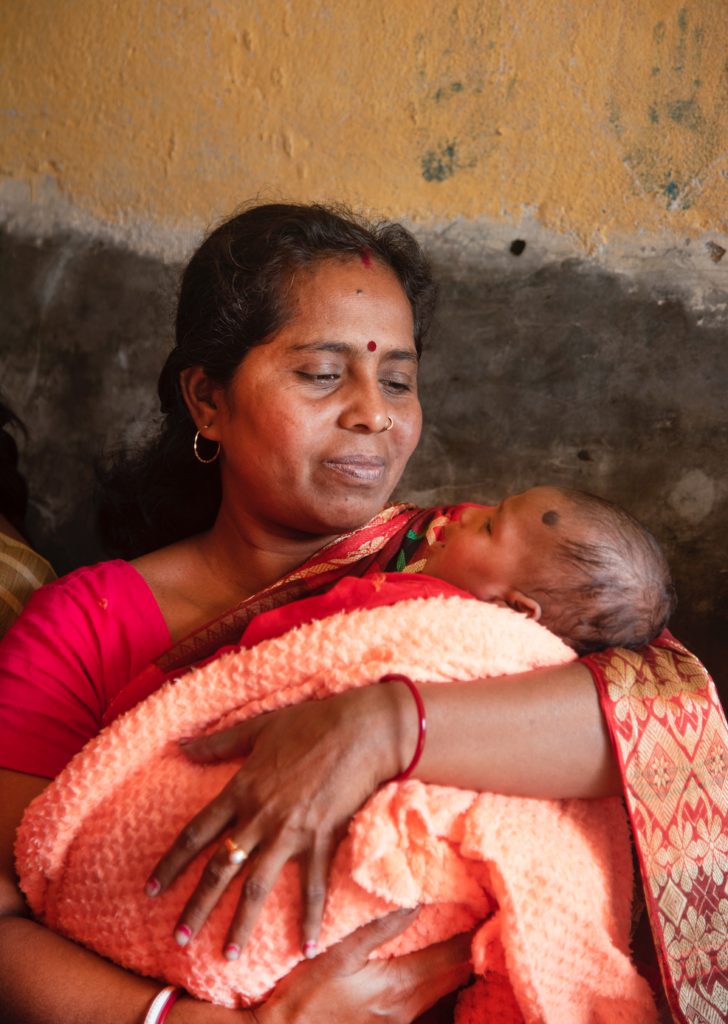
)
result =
(45, 978)
(538, 734)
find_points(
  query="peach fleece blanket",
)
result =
(548, 882)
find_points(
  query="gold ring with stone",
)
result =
(236, 855)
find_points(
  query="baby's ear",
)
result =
(524, 604)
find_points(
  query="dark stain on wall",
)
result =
(564, 374)
(438, 165)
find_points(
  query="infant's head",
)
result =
(582, 566)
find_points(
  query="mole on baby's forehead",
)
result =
(550, 518)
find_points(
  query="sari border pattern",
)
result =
(670, 736)
(368, 550)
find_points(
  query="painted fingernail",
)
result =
(231, 951)
(182, 935)
(152, 887)
(309, 950)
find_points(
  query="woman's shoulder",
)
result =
(108, 604)
(88, 578)
(97, 605)
(112, 591)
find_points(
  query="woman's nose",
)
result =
(364, 408)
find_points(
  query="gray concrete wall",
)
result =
(546, 367)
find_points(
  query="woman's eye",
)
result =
(319, 378)
(398, 386)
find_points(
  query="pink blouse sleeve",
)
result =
(77, 643)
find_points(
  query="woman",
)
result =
(291, 411)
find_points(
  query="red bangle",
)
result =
(162, 1004)
(422, 720)
(168, 1006)
(173, 997)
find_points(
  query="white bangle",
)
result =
(162, 1004)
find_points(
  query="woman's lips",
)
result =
(367, 468)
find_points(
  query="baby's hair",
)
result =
(612, 592)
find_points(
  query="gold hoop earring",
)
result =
(390, 423)
(197, 454)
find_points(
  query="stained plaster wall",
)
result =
(595, 133)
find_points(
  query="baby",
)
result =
(580, 565)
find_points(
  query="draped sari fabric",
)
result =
(395, 540)
(669, 733)
(667, 726)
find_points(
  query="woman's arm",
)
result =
(310, 767)
(537, 734)
(44, 977)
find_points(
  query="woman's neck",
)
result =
(251, 556)
(200, 578)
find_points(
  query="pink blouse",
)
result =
(77, 643)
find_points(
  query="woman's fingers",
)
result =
(435, 971)
(215, 878)
(314, 877)
(351, 954)
(262, 875)
(344, 985)
(237, 741)
(341, 985)
(198, 833)
(308, 769)
(213, 819)
(451, 961)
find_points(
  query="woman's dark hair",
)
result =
(233, 295)
(13, 488)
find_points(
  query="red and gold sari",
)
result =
(668, 729)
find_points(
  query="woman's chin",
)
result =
(343, 513)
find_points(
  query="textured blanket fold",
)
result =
(547, 882)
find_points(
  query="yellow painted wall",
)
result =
(599, 116)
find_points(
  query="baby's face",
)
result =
(496, 553)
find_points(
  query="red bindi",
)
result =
(372, 346)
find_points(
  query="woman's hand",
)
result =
(539, 734)
(309, 769)
(342, 985)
